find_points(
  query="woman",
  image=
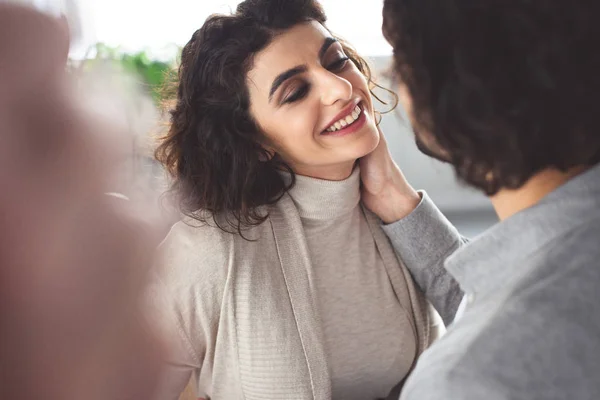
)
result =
(281, 284)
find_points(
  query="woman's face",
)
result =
(312, 104)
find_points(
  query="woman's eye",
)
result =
(338, 65)
(296, 94)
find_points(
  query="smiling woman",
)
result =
(304, 87)
(258, 108)
(288, 288)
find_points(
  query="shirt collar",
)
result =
(500, 253)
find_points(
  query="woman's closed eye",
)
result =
(296, 94)
(338, 64)
(299, 92)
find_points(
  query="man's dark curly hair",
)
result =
(507, 87)
(213, 148)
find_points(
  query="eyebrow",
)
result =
(326, 45)
(284, 76)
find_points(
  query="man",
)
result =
(504, 91)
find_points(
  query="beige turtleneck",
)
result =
(369, 337)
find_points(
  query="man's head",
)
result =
(501, 89)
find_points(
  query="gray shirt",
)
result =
(531, 327)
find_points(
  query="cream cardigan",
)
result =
(246, 315)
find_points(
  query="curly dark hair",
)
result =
(212, 151)
(507, 87)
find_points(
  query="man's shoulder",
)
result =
(529, 347)
(534, 338)
(564, 273)
(576, 246)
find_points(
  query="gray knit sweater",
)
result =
(244, 316)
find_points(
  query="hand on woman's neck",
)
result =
(508, 202)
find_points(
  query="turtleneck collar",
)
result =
(319, 199)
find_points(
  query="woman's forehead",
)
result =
(296, 46)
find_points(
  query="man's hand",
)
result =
(385, 191)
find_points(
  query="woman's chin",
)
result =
(370, 140)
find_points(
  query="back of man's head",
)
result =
(506, 88)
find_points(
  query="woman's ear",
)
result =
(267, 153)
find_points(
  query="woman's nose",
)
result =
(334, 88)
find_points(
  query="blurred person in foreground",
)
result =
(506, 92)
(72, 260)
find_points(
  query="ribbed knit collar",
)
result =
(321, 199)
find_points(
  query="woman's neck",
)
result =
(333, 172)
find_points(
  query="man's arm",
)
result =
(424, 239)
(419, 232)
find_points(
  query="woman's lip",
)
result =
(356, 125)
(344, 113)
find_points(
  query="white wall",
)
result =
(158, 26)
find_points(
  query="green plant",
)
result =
(152, 74)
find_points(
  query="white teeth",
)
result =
(348, 120)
